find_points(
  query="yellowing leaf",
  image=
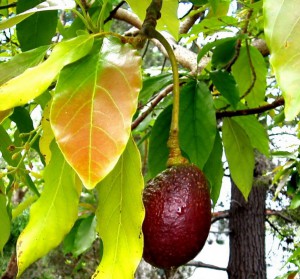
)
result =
(120, 215)
(4, 222)
(54, 213)
(44, 6)
(47, 136)
(282, 29)
(34, 81)
(4, 114)
(92, 110)
(240, 155)
(168, 21)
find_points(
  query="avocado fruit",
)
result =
(178, 216)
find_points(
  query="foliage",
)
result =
(82, 117)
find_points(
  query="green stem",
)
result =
(148, 31)
(175, 156)
(22, 206)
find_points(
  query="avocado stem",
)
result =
(148, 30)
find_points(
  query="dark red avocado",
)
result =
(178, 216)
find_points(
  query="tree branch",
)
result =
(11, 5)
(204, 265)
(243, 112)
(153, 104)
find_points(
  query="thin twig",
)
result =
(153, 104)
(204, 265)
(242, 112)
(11, 5)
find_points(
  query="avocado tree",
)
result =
(87, 119)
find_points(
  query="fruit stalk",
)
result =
(148, 30)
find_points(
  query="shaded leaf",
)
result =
(54, 213)
(226, 85)
(158, 149)
(81, 237)
(282, 27)
(168, 21)
(34, 81)
(256, 132)
(239, 154)
(36, 30)
(243, 75)
(213, 169)
(44, 6)
(120, 215)
(209, 46)
(224, 52)
(152, 85)
(92, 109)
(4, 222)
(19, 63)
(197, 124)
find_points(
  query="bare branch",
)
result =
(153, 104)
(261, 109)
(204, 265)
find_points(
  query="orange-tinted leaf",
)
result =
(92, 109)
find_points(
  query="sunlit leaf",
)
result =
(256, 132)
(168, 21)
(4, 222)
(47, 135)
(34, 81)
(36, 30)
(242, 71)
(239, 154)
(120, 214)
(54, 213)
(282, 28)
(22, 61)
(44, 6)
(93, 107)
(4, 114)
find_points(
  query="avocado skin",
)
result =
(178, 216)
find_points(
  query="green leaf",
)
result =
(120, 215)
(4, 222)
(81, 237)
(54, 213)
(243, 75)
(239, 154)
(197, 124)
(168, 21)
(152, 85)
(92, 109)
(44, 6)
(226, 85)
(36, 30)
(224, 53)
(19, 63)
(158, 149)
(197, 129)
(209, 46)
(213, 169)
(219, 8)
(256, 132)
(282, 27)
(34, 81)
(295, 203)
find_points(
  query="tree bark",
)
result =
(247, 229)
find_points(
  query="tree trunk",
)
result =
(247, 229)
